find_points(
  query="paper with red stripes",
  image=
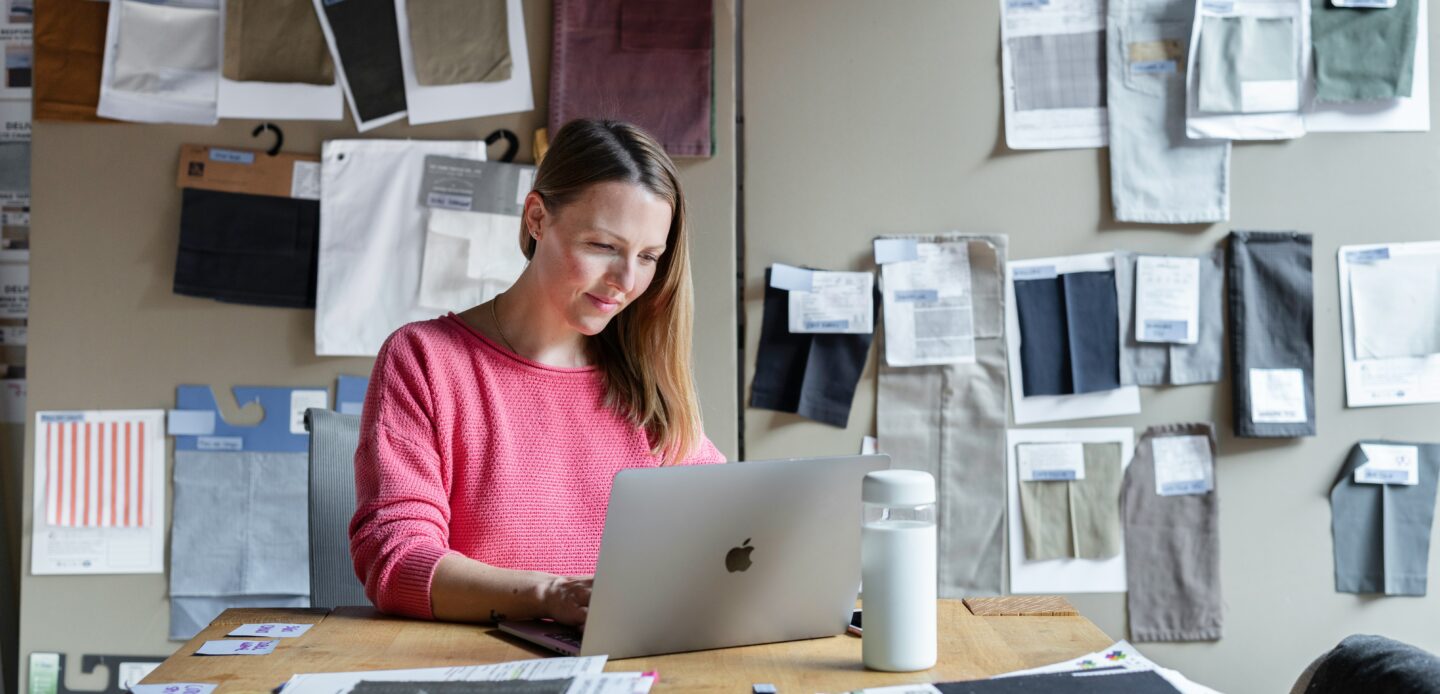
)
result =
(99, 491)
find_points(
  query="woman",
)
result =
(490, 437)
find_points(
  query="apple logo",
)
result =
(738, 558)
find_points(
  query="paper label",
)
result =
(130, 674)
(838, 302)
(929, 315)
(1277, 396)
(1051, 461)
(237, 648)
(181, 688)
(1368, 255)
(909, 295)
(219, 443)
(190, 422)
(1218, 6)
(1035, 272)
(1025, 4)
(791, 278)
(44, 673)
(305, 180)
(473, 185)
(1373, 4)
(1167, 299)
(301, 400)
(895, 251)
(1386, 464)
(1183, 465)
(232, 156)
(276, 630)
(1154, 67)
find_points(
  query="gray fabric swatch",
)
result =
(1077, 519)
(15, 167)
(1058, 71)
(1382, 531)
(1363, 54)
(333, 439)
(1045, 516)
(1242, 49)
(950, 421)
(1271, 302)
(1157, 363)
(1172, 550)
(1157, 174)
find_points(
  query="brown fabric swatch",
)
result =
(69, 52)
(459, 41)
(275, 41)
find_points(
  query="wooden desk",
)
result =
(356, 638)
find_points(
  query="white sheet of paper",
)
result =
(539, 669)
(473, 99)
(1183, 465)
(1051, 461)
(1386, 464)
(1051, 408)
(1060, 575)
(1396, 306)
(1281, 125)
(1060, 128)
(80, 527)
(1389, 381)
(1120, 654)
(929, 310)
(176, 688)
(275, 630)
(245, 647)
(1277, 396)
(838, 302)
(1402, 114)
(1167, 299)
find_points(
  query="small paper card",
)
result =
(1277, 396)
(271, 629)
(1041, 462)
(1387, 464)
(472, 185)
(837, 302)
(1183, 465)
(1372, 4)
(177, 688)
(1167, 299)
(237, 648)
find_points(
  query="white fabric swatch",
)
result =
(1396, 303)
(469, 258)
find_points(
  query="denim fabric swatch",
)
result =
(367, 38)
(1155, 363)
(248, 249)
(1157, 174)
(1079, 518)
(1069, 333)
(810, 374)
(1059, 71)
(1044, 340)
(947, 419)
(1382, 531)
(1271, 301)
(1172, 550)
(1363, 54)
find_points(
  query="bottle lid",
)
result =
(898, 488)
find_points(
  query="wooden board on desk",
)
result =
(356, 638)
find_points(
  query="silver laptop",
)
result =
(712, 556)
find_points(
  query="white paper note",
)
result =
(177, 688)
(838, 302)
(246, 647)
(1183, 465)
(929, 315)
(1051, 461)
(1386, 464)
(1047, 86)
(272, 630)
(1277, 396)
(1167, 299)
(301, 400)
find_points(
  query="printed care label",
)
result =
(1167, 299)
(1041, 462)
(1386, 464)
(837, 302)
(1183, 465)
(1277, 396)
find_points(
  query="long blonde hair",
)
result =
(644, 354)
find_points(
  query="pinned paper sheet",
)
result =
(929, 309)
(837, 302)
(1167, 299)
(1389, 299)
(432, 104)
(1052, 56)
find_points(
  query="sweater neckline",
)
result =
(502, 351)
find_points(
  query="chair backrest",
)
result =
(333, 438)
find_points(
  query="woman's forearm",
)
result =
(465, 590)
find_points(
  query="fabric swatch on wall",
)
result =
(1076, 519)
(813, 375)
(1382, 531)
(1248, 65)
(1069, 333)
(1172, 550)
(275, 41)
(648, 62)
(459, 41)
(69, 58)
(1363, 54)
(248, 249)
(942, 419)
(1059, 71)
(1157, 363)
(469, 258)
(1396, 306)
(170, 50)
(367, 40)
(1272, 335)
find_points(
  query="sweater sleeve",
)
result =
(400, 530)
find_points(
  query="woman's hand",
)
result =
(566, 599)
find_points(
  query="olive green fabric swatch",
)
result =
(1077, 519)
(459, 41)
(1363, 54)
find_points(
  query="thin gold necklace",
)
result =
(495, 317)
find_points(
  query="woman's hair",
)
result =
(644, 353)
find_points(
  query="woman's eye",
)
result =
(650, 258)
(603, 246)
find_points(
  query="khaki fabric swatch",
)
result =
(69, 52)
(1078, 519)
(275, 41)
(459, 41)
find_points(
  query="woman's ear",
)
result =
(534, 215)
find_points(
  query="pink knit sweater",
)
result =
(467, 447)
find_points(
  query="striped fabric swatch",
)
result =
(98, 466)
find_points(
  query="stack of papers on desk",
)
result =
(585, 676)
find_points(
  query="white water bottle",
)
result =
(897, 556)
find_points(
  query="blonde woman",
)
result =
(490, 437)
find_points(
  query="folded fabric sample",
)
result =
(367, 45)
(458, 41)
(469, 258)
(1396, 306)
(162, 63)
(1172, 547)
(1382, 531)
(810, 374)
(248, 249)
(69, 55)
(1248, 65)
(1157, 363)
(1363, 54)
(275, 41)
(1069, 333)
(1272, 334)
(1077, 519)
(643, 61)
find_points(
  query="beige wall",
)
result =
(106, 331)
(864, 117)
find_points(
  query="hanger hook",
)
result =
(512, 143)
(279, 136)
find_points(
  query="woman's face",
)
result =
(596, 255)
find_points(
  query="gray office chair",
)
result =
(333, 438)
